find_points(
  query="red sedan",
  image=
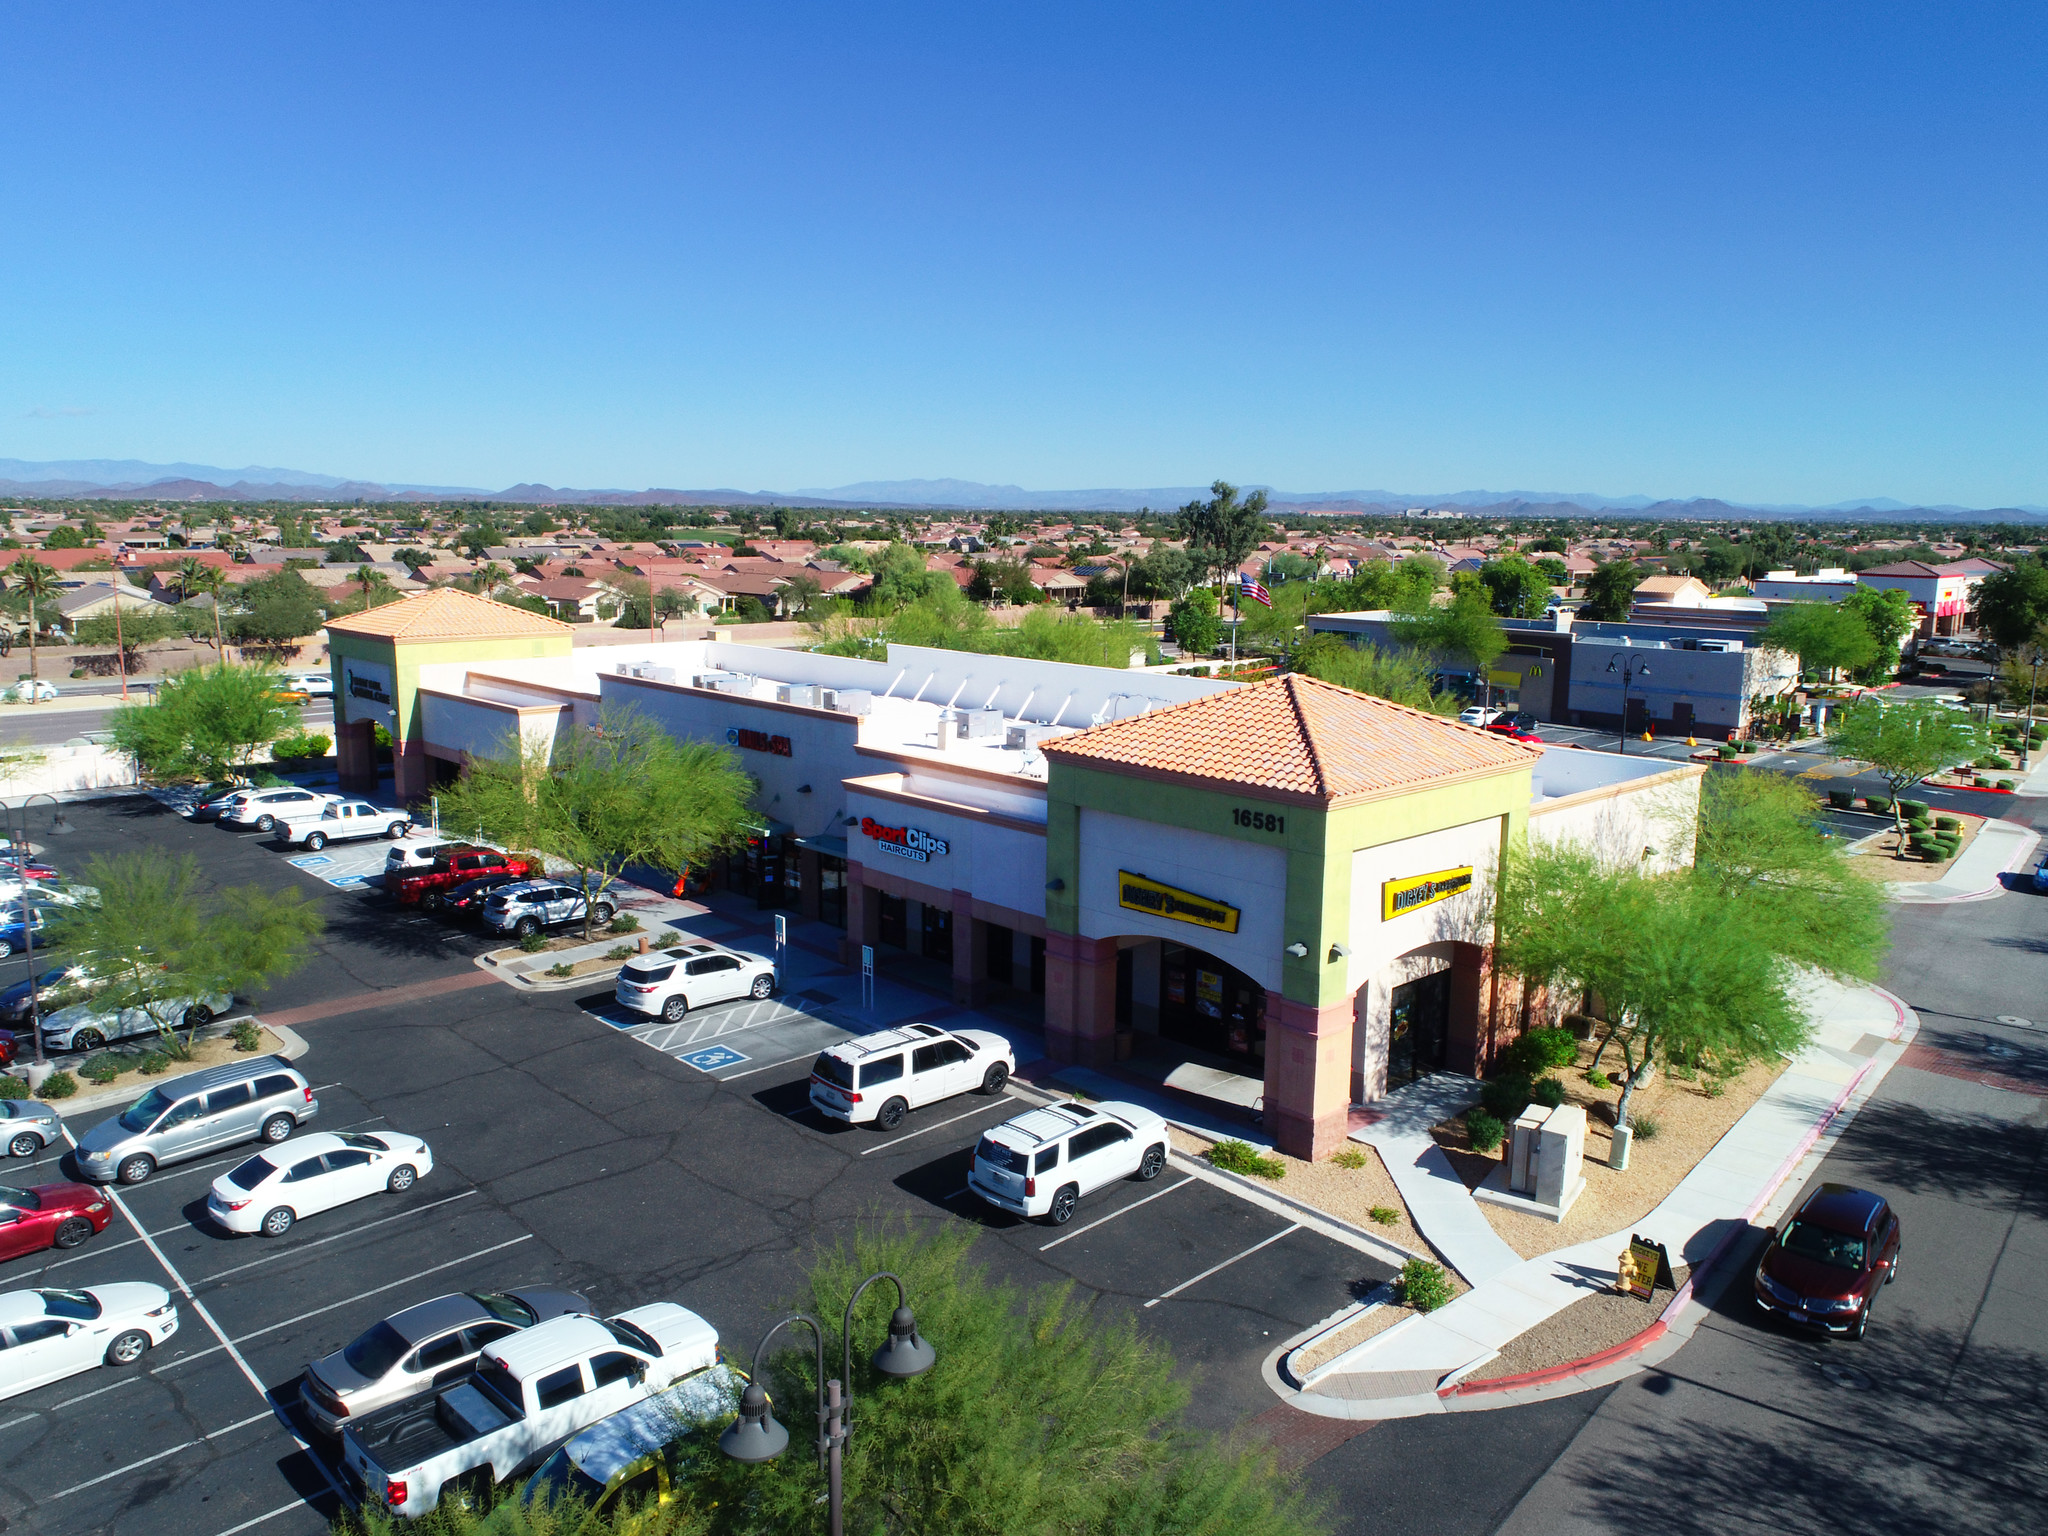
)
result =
(1518, 727)
(1824, 1265)
(50, 1216)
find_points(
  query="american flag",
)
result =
(1251, 589)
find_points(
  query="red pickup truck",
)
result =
(458, 869)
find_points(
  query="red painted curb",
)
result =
(1608, 1356)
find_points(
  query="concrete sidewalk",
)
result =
(1397, 1127)
(1860, 1032)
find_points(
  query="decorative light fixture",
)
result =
(1339, 952)
(1055, 884)
(1298, 949)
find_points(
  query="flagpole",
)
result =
(1236, 587)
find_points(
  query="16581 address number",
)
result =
(1257, 821)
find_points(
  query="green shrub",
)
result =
(59, 1085)
(247, 1036)
(1645, 1125)
(101, 1070)
(153, 1062)
(1506, 1096)
(1239, 1157)
(622, 952)
(1385, 1215)
(1547, 1091)
(1842, 799)
(1348, 1156)
(13, 1088)
(298, 745)
(1423, 1285)
(1724, 751)
(2006, 784)
(562, 970)
(534, 943)
(625, 922)
(1600, 1080)
(1913, 807)
(1483, 1130)
(1881, 804)
(1537, 1051)
(1991, 760)
(1947, 824)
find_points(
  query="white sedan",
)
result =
(46, 1336)
(273, 1189)
(318, 684)
(340, 821)
(1479, 714)
(26, 692)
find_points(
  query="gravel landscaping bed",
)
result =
(1601, 1321)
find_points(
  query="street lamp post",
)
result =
(17, 843)
(2034, 661)
(1630, 667)
(755, 1436)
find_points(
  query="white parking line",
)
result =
(1112, 1216)
(1216, 1268)
(390, 1285)
(19, 1418)
(159, 1456)
(336, 1237)
(995, 1103)
(125, 1381)
(807, 1056)
(282, 1509)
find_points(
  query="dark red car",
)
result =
(50, 1216)
(8, 1049)
(1822, 1267)
(1519, 727)
(13, 867)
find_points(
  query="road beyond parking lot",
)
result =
(567, 1152)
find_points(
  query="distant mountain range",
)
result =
(134, 479)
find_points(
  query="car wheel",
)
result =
(315, 841)
(266, 823)
(128, 1347)
(6, 949)
(397, 829)
(996, 1078)
(601, 913)
(279, 1128)
(527, 927)
(1063, 1205)
(278, 1222)
(1862, 1324)
(197, 1015)
(1892, 1271)
(763, 985)
(88, 1040)
(72, 1232)
(137, 1168)
(403, 1177)
(434, 901)
(674, 1008)
(891, 1114)
(24, 1145)
(1154, 1160)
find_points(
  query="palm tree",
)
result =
(30, 575)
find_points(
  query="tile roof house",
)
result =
(444, 613)
(1295, 738)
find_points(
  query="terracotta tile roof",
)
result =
(446, 614)
(1295, 736)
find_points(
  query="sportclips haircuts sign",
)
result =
(1398, 896)
(903, 842)
(1143, 895)
(759, 741)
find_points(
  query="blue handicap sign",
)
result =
(713, 1058)
(311, 861)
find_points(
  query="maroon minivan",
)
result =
(1822, 1268)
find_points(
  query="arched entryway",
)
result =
(1414, 1017)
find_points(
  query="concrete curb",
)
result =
(295, 1046)
(1673, 1328)
(542, 982)
(1260, 1193)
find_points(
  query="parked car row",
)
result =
(305, 818)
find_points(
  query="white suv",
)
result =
(879, 1078)
(1041, 1163)
(670, 982)
(263, 809)
(527, 906)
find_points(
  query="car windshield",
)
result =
(252, 1173)
(506, 1309)
(375, 1352)
(141, 1115)
(562, 1478)
(1838, 1250)
(78, 1305)
(358, 1139)
(833, 1070)
(996, 1155)
(20, 1199)
(632, 1337)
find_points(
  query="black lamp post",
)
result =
(17, 842)
(755, 1436)
(2038, 655)
(1631, 667)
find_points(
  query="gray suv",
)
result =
(201, 1112)
(528, 906)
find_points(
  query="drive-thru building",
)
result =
(1284, 879)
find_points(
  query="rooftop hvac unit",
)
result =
(1720, 645)
(850, 701)
(981, 724)
(1023, 734)
(805, 694)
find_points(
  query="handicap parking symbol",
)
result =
(311, 861)
(713, 1058)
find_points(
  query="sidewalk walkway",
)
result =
(1860, 1033)
(1397, 1127)
(1999, 848)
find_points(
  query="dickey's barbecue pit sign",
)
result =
(1417, 891)
(1141, 894)
(903, 842)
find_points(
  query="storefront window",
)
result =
(1420, 1028)
(938, 933)
(1001, 952)
(1209, 1005)
(767, 869)
(831, 890)
(890, 915)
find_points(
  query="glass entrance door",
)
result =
(1421, 1029)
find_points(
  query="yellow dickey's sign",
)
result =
(1143, 895)
(1399, 896)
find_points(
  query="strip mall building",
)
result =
(1283, 878)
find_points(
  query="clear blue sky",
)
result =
(1788, 253)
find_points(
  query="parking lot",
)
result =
(574, 1145)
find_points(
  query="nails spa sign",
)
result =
(903, 842)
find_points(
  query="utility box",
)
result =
(1559, 1149)
(1523, 1138)
(1540, 1174)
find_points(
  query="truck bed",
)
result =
(406, 1434)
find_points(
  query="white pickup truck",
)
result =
(530, 1392)
(339, 820)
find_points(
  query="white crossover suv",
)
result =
(1042, 1162)
(877, 1079)
(668, 983)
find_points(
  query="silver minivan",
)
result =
(265, 1099)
